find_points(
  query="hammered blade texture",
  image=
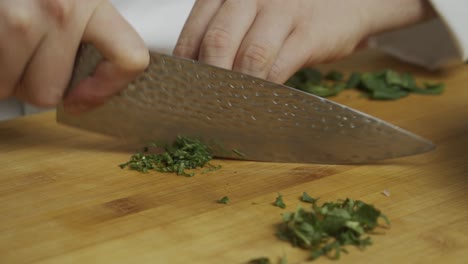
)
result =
(229, 110)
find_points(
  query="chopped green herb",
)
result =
(307, 198)
(283, 260)
(323, 90)
(327, 228)
(211, 168)
(265, 260)
(184, 154)
(223, 200)
(240, 154)
(279, 202)
(261, 260)
(380, 85)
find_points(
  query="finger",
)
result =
(262, 43)
(125, 55)
(308, 46)
(226, 32)
(292, 56)
(363, 44)
(48, 70)
(194, 29)
(16, 49)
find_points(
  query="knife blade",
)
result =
(230, 111)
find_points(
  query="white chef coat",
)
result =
(435, 44)
(438, 43)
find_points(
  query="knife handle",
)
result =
(86, 60)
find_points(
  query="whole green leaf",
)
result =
(408, 81)
(393, 78)
(379, 85)
(318, 90)
(312, 75)
(304, 75)
(353, 81)
(432, 89)
(388, 94)
(372, 82)
(334, 76)
(322, 90)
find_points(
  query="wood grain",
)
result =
(64, 200)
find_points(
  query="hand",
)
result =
(272, 39)
(40, 39)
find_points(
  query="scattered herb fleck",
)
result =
(327, 228)
(265, 260)
(211, 168)
(386, 192)
(261, 260)
(240, 154)
(223, 200)
(283, 260)
(307, 198)
(184, 154)
(380, 85)
(279, 202)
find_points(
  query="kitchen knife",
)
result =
(232, 111)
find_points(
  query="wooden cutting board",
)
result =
(63, 198)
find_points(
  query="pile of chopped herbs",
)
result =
(183, 154)
(265, 260)
(379, 85)
(326, 229)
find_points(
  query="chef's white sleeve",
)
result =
(438, 43)
(158, 22)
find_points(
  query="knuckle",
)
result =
(255, 58)
(216, 39)
(185, 48)
(276, 72)
(58, 10)
(18, 19)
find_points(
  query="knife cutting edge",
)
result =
(229, 110)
